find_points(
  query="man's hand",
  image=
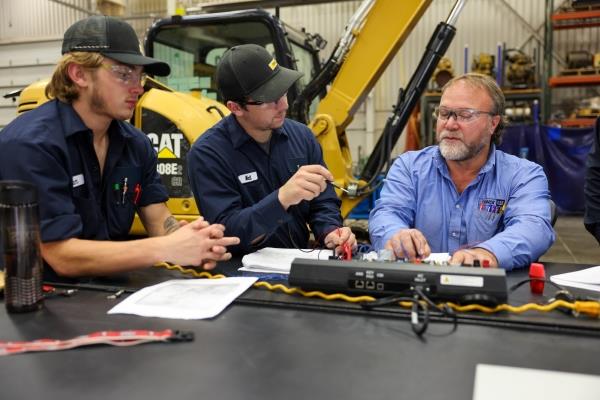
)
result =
(306, 184)
(408, 243)
(467, 256)
(199, 244)
(336, 239)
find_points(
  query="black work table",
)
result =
(266, 346)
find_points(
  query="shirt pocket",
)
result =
(488, 217)
(123, 196)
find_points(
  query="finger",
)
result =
(199, 223)
(419, 242)
(318, 169)
(408, 246)
(462, 258)
(314, 186)
(227, 241)
(345, 234)
(397, 247)
(183, 223)
(352, 241)
(208, 264)
(217, 249)
(457, 258)
(215, 233)
(219, 256)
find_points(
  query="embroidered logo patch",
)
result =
(273, 64)
(492, 206)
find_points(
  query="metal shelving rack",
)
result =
(560, 21)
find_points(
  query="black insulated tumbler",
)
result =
(20, 233)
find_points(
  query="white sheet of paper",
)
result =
(275, 260)
(184, 298)
(495, 382)
(588, 279)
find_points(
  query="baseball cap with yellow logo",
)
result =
(250, 71)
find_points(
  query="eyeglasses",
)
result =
(253, 103)
(460, 114)
(125, 74)
(260, 103)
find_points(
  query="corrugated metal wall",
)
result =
(482, 24)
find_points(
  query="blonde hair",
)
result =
(496, 95)
(61, 86)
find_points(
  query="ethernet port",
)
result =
(371, 285)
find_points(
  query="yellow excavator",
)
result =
(175, 111)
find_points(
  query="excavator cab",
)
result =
(194, 44)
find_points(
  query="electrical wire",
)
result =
(590, 308)
(114, 338)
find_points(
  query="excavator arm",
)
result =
(375, 39)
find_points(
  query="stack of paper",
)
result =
(184, 298)
(588, 279)
(279, 261)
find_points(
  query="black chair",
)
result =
(553, 213)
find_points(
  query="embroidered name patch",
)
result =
(249, 177)
(78, 180)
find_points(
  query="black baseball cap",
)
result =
(249, 70)
(112, 38)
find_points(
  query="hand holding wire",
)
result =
(343, 241)
(306, 184)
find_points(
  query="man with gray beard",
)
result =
(463, 196)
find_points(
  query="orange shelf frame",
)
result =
(574, 80)
(576, 122)
(576, 19)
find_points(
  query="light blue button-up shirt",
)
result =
(505, 209)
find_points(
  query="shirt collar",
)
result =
(238, 134)
(72, 122)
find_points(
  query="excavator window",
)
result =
(194, 51)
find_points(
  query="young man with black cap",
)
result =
(258, 173)
(93, 170)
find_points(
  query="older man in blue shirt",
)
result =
(464, 196)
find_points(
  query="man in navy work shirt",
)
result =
(93, 171)
(258, 173)
(463, 196)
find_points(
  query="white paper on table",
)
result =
(184, 298)
(496, 382)
(588, 279)
(276, 260)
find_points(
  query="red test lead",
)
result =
(137, 192)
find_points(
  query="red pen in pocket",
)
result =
(137, 193)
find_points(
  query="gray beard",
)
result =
(459, 151)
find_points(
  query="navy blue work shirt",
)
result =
(236, 183)
(51, 147)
